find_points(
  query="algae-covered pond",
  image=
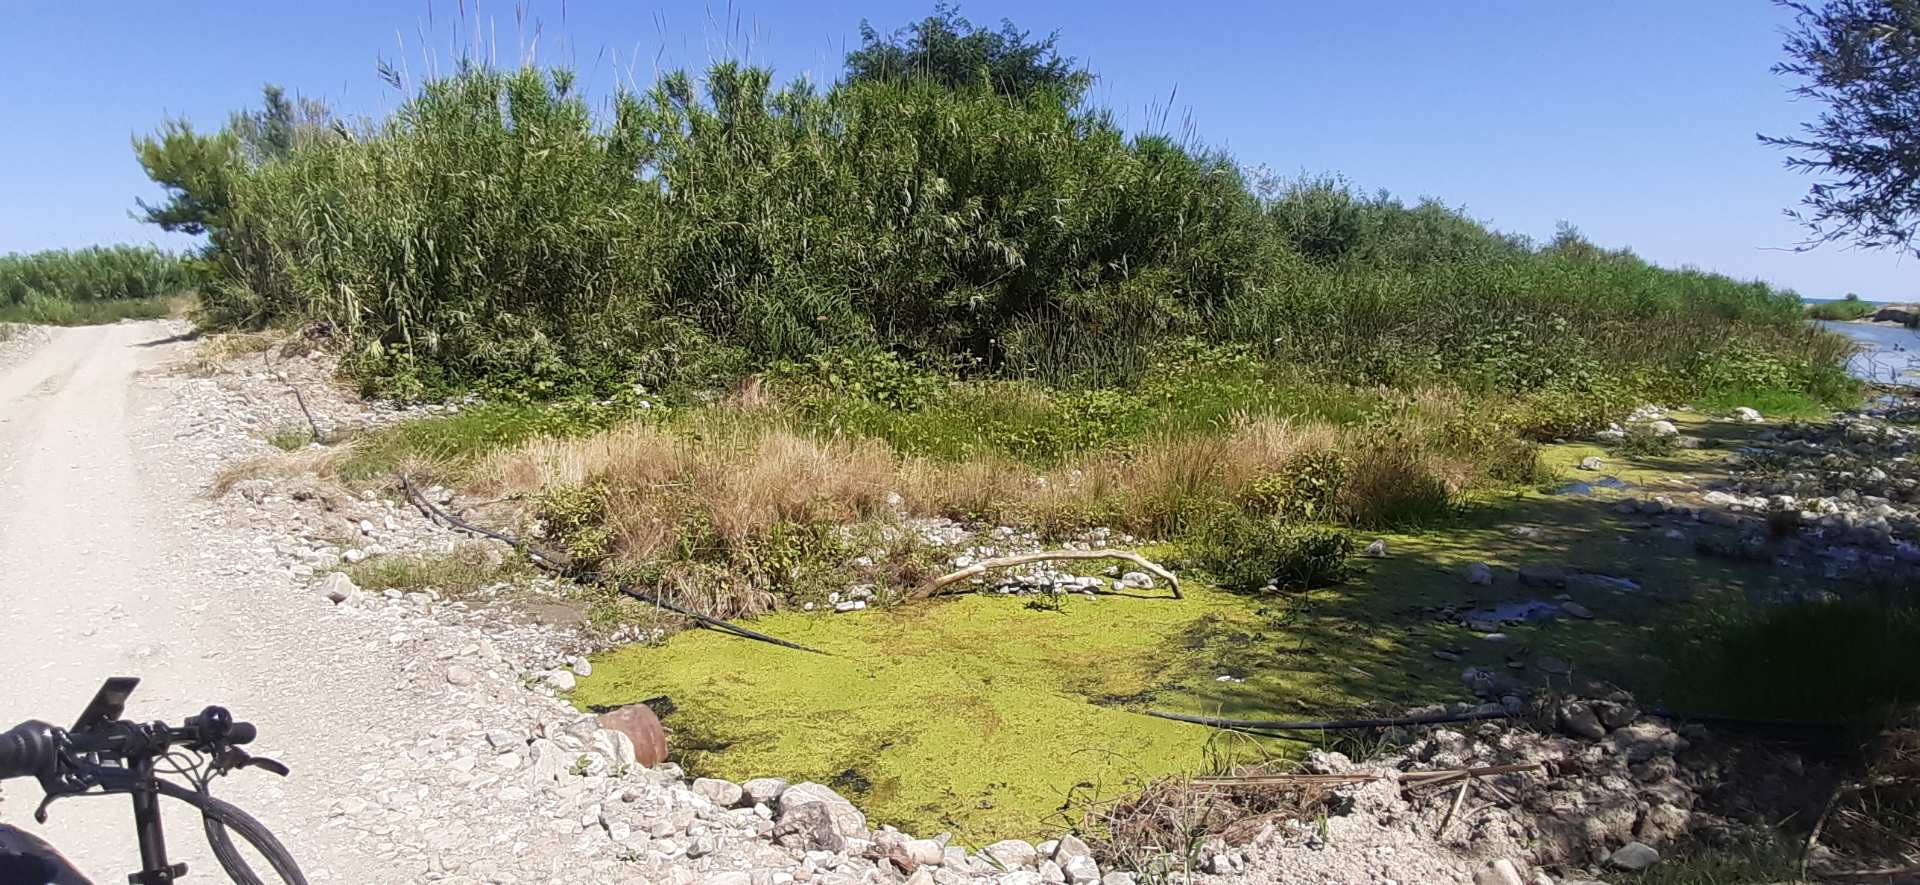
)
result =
(987, 717)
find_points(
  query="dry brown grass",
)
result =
(218, 353)
(749, 476)
(739, 487)
(313, 464)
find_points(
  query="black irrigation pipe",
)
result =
(1332, 724)
(560, 564)
(1258, 725)
(298, 397)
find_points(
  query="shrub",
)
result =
(1249, 553)
(1851, 308)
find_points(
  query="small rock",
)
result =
(1377, 549)
(847, 820)
(1748, 415)
(1578, 719)
(338, 588)
(807, 826)
(458, 675)
(1577, 610)
(725, 794)
(1012, 854)
(559, 680)
(1499, 872)
(924, 852)
(1480, 573)
(1081, 869)
(849, 605)
(1663, 428)
(1634, 856)
(1590, 462)
(1543, 576)
(764, 790)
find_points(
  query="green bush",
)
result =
(1849, 308)
(1248, 553)
(1305, 488)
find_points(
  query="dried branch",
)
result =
(982, 567)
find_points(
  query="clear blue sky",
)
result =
(1633, 119)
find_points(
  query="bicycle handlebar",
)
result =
(33, 748)
(30, 749)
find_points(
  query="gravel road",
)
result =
(112, 562)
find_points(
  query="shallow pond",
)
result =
(1888, 354)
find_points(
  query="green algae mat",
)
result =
(989, 717)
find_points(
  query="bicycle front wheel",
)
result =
(219, 816)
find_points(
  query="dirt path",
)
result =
(113, 563)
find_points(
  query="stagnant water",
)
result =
(1888, 354)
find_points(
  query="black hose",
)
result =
(1258, 725)
(1333, 724)
(558, 563)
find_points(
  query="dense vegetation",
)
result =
(96, 284)
(952, 278)
(499, 229)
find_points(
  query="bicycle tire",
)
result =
(219, 816)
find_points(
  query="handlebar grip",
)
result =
(241, 733)
(29, 749)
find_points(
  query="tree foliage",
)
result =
(1860, 60)
(952, 51)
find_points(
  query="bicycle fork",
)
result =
(154, 869)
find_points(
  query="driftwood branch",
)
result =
(558, 563)
(1435, 777)
(982, 567)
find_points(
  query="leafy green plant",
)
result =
(575, 517)
(1255, 554)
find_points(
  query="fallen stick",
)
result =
(1458, 797)
(979, 568)
(1408, 778)
(1331, 724)
(557, 563)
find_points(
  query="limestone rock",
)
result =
(1013, 854)
(847, 820)
(1634, 856)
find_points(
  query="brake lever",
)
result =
(233, 758)
(75, 777)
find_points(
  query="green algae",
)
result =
(974, 714)
(986, 717)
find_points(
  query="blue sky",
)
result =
(1634, 120)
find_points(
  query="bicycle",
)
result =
(103, 754)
